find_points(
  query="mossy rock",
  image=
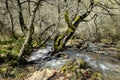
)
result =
(81, 63)
(73, 65)
(80, 70)
(97, 76)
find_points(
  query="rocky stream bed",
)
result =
(100, 57)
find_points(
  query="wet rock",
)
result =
(42, 75)
(76, 43)
(106, 41)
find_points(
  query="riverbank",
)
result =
(100, 56)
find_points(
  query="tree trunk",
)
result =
(27, 43)
(61, 40)
(11, 18)
(21, 19)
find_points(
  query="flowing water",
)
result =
(109, 66)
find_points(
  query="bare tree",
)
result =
(11, 18)
(21, 18)
(27, 43)
(61, 40)
(73, 22)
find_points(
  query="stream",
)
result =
(100, 60)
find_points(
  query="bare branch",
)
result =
(47, 29)
(54, 30)
(117, 2)
(27, 1)
(93, 17)
(106, 9)
(82, 17)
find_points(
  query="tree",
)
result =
(21, 19)
(62, 39)
(72, 23)
(27, 43)
(11, 18)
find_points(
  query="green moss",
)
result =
(81, 63)
(5, 42)
(66, 16)
(76, 18)
(70, 30)
(59, 38)
(9, 47)
(78, 69)
(97, 76)
(73, 65)
(73, 27)
(36, 42)
(2, 70)
(58, 43)
(15, 51)
(2, 51)
(13, 62)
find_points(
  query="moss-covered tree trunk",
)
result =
(61, 40)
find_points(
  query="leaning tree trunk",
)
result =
(27, 44)
(61, 40)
